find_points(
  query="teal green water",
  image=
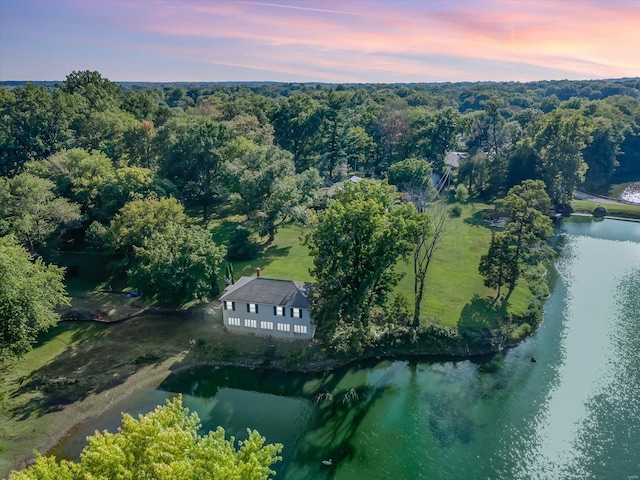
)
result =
(575, 413)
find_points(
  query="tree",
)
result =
(412, 172)
(191, 151)
(499, 266)
(30, 292)
(527, 205)
(139, 219)
(437, 135)
(33, 212)
(355, 245)
(34, 124)
(601, 153)
(296, 123)
(432, 228)
(559, 140)
(265, 187)
(177, 265)
(163, 444)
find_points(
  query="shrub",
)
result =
(456, 211)
(599, 211)
(240, 245)
(461, 193)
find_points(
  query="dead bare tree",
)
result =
(436, 226)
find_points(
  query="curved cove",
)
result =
(574, 413)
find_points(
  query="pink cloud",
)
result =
(326, 40)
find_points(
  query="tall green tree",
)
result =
(355, 246)
(522, 243)
(33, 212)
(163, 444)
(140, 219)
(296, 123)
(438, 134)
(191, 150)
(265, 187)
(30, 292)
(499, 266)
(33, 125)
(177, 265)
(559, 140)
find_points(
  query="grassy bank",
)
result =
(613, 210)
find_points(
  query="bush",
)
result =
(599, 211)
(240, 245)
(456, 211)
(461, 193)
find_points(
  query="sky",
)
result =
(348, 41)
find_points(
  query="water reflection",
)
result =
(572, 414)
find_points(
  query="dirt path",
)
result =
(91, 407)
(587, 196)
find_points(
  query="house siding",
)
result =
(265, 313)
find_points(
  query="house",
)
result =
(340, 185)
(268, 307)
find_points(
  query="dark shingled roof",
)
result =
(269, 291)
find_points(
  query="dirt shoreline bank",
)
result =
(70, 416)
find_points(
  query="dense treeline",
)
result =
(126, 168)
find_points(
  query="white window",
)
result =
(252, 308)
(233, 321)
(284, 327)
(266, 325)
(279, 311)
(229, 305)
(250, 323)
(296, 312)
(299, 329)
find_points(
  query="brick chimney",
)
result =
(258, 272)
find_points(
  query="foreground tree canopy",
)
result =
(29, 293)
(356, 244)
(162, 445)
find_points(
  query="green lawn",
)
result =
(614, 210)
(455, 289)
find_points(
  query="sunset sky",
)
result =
(326, 41)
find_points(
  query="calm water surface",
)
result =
(575, 413)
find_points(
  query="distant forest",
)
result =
(103, 144)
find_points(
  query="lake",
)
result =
(574, 413)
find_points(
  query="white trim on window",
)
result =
(283, 327)
(299, 329)
(278, 311)
(266, 325)
(252, 308)
(296, 312)
(234, 321)
(250, 323)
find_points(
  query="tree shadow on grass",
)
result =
(478, 218)
(268, 256)
(100, 357)
(480, 320)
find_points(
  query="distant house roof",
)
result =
(453, 159)
(269, 291)
(337, 185)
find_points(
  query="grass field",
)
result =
(454, 285)
(75, 361)
(613, 210)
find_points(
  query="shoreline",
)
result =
(71, 416)
(63, 421)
